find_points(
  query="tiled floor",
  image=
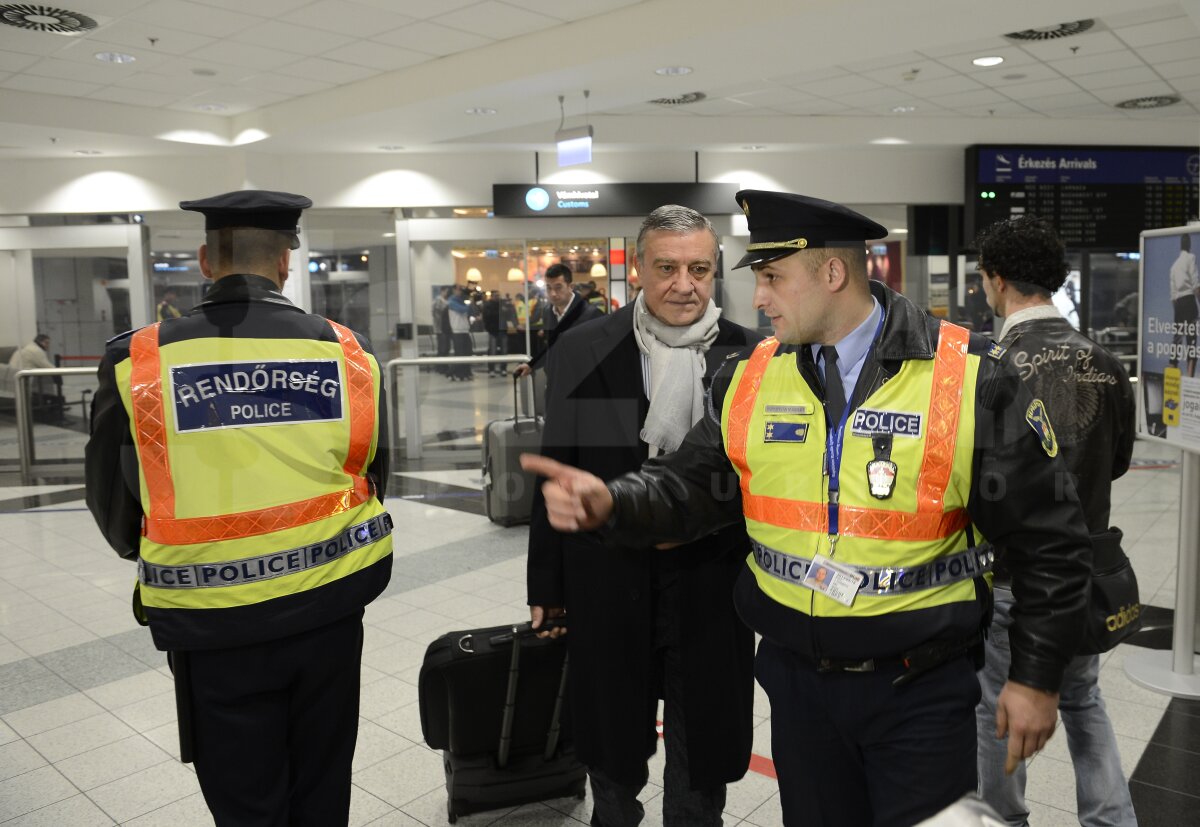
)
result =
(87, 715)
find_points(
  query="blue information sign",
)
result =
(243, 394)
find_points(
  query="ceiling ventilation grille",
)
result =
(1053, 32)
(45, 19)
(1150, 102)
(681, 100)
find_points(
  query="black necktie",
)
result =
(835, 395)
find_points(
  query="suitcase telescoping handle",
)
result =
(510, 696)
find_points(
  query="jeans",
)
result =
(1101, 791)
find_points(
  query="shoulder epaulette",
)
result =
(996, 350)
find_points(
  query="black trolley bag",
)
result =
(493, 700)
(508, 488)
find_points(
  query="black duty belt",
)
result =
(914, 663)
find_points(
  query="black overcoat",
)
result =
(596, 405)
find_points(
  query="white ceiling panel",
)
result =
(890, 61)
(15, 61)
(1179, 68)
(49, 86)
(1080, 45)
(262, 8)
(243, 54)
(1051, 103)
(166, 39)
(1148, 15)
(178, 86)
(799, 79)
(432, 39)
(31, 43)
(1188, 84)
(377, 56)
(133, 97)
(1009, 109)
(813, 107)
(1121, 77)
(836, 87)
(330, 71)
(1139, 90)
(1160, 31)
(108, 8)
(348, 18)
(943, 86)
(273, 82)
(718, 106)
(96, 72)
(301, 40)
(926, 70)
(572, 9)
(1166, 52)
(1040, 89)
(924, 109)
(496, 20)
(84, 51)
(978, 97)
(194, 18)
(1013, 56)
(1085, 65)
(987, 45)
(203, 72)
(420, 9)
(1018, 74)
(877, 97)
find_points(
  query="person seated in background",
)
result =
(47, 401)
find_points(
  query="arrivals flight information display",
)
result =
(1099, 197)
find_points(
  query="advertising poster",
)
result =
(1169, 337)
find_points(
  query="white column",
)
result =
(137, 264)
(18, 313)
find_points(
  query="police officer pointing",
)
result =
(877, 451)
(239, 454)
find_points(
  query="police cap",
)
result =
(261, 209)
(782, 222)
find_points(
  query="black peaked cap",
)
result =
(782, 223)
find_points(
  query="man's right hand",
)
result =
(522, 371)
(575, 499)
(540, 614)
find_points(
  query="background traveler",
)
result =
(1090, 401)
(257, 547)
(563, 310)
(441, 325)
(645, 627)
(460, 332)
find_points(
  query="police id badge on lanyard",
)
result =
(833, 579)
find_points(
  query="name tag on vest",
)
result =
(244, 394)
(785, 432)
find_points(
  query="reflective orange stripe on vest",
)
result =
(929, 522)
(161, 525)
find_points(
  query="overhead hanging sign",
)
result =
(1169, 337)
(532, 200)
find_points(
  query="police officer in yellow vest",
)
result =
(239, 454)
(873, 452)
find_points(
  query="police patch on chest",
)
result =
(869, 422)
(881, 478)
(242, 394)
(785, 432)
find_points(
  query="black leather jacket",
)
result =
(1013, 503)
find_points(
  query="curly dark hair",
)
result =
(1025, 251)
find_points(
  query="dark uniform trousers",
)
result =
(275, 724)
(617, 805)
(912, 746)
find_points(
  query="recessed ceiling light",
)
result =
(991, 60)
(389, 235)
(88, 152)
(754, 147)
(887, 141)
(115, 57)
(673, 70)
(212, 107)
(391, 147)
(481, 110)
(904, 109)
(204, 73)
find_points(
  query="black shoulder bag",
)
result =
(1114, 609)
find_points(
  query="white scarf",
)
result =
(676, 372)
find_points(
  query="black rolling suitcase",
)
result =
(493, 701)
(507, 488)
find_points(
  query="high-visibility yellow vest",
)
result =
(908, 540)
(251, 457)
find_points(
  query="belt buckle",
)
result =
(827, 665)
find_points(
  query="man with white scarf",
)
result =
(644, 627)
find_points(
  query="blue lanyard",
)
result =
(833, 441)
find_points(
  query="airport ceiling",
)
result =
(378, 76)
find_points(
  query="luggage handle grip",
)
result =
(466, 643)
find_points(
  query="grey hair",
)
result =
(672, 218)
